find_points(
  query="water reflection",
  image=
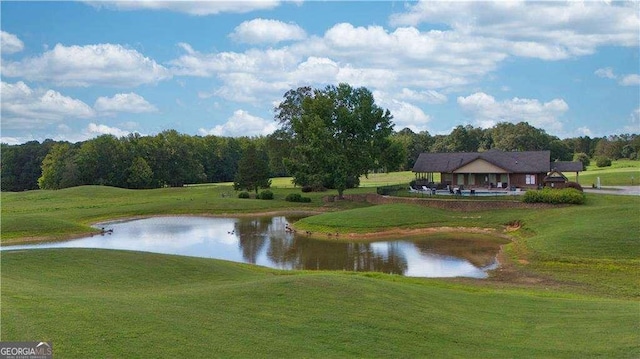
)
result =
(264, 241)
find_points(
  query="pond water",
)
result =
(265, 241)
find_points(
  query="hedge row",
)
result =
(297, 197)
(389, 190)
(554, 196)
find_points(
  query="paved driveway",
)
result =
(622, 190)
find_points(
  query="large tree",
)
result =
(59, 168)
(337, 135)
(522, 136)
(253, 170)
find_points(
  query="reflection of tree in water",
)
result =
(300, 252)
(287, 250)
(480, 251)
(253, 234)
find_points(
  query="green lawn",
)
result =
(117, 304)
(594, 247)
(58, 214)
(581, 297)
(621, 173)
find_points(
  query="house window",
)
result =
(530, 179)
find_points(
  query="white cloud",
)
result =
(624, 80)
(260, 31)
(405, 114)
(584, 131)
(416, 66)
(486, 111)
(368, 77)
(362, 56)
(198, 8)
(27, 108)
(375, 46)
(123, 102)
(249, 88)
(101, 64)
(10, 43)
(194, 63)
(630, 80)
(431, 97)
(546, 30)
(64, 132)
(94, 130)
(606, 72)
(242, 124)
(634, 122)
(316, 70)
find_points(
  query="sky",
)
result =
(76, 70)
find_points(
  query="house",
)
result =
(490, 169)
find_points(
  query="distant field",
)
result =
(373, 180)
(621, 173)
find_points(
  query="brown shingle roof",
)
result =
(513, 162)
(567, 166)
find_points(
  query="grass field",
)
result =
(59, 214)
(571, 286)
(621, 173)
(114, 304)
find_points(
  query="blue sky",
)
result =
(76, 70)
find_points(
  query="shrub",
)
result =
(307, 189)
(244, 194)
(554, 196)
(603, 162)
(389, 190)
(575, 185)
(266, 194)
(297, 197)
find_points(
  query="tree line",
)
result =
(327, 139)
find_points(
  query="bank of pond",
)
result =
(269, 241)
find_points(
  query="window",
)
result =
(530, 179)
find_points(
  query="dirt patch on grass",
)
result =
(513, 226)
(395, 232)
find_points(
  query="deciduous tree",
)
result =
(253, 170)
(338, 134)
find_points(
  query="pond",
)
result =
(266, 241)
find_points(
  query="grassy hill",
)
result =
(569, 287)
(97, 303)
